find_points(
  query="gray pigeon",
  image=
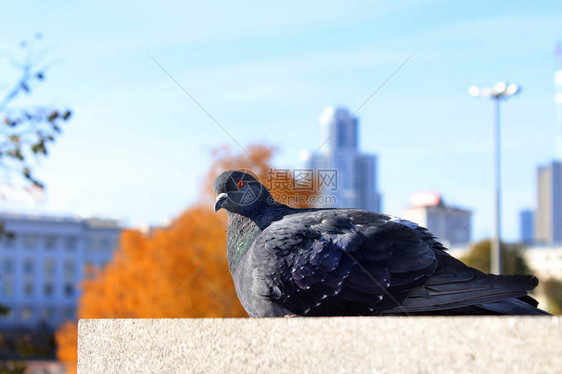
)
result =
(350, 262)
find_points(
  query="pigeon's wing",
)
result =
(343, 262)
(353, 262)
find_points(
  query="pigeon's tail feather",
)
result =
(529, 300)
(513, 306)
(514, 282)
(484, 294)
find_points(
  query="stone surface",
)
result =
(322, 345)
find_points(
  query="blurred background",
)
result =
(117, 116)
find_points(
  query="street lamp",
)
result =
(500, 91)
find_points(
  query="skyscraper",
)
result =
(526, 231)
(356, 172)
(548, 216)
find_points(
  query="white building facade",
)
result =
(451, 225)
(43, 260)
(356, 173)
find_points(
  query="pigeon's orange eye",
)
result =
(240, 184)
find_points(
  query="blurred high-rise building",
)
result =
(548, 215)
(355, 172)
(451, 225)
(526, 230)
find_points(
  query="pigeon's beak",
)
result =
(221, 198)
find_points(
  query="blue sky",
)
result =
(138, 146)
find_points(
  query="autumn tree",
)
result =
(178, 271)
(67, 336)
(512, 259)
(175, 271)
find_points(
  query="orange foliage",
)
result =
(179, 271)
(176, 271)
(67, 341)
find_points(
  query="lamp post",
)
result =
(500, 91)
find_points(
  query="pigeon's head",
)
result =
(239, 192)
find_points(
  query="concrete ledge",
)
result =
(321, 345)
